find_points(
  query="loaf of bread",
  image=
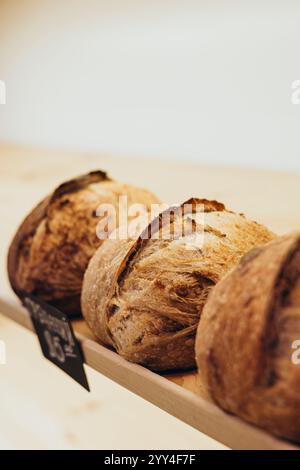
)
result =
(52, 247)
(144, 298)
(247, 339)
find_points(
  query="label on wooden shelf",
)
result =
(56, 337)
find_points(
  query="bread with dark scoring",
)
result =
(248, 334)
(53, 245)
(144, 298)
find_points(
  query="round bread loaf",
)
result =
(52, 247)
(144, 298)
(248, 340)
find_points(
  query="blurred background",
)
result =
(199, 80)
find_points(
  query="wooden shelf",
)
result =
(180, 394)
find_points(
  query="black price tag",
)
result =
(56, 338)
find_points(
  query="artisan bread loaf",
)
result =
(144, 298)
(248, 338)
(52, 247)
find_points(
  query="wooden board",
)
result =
(270, 197)
(179, 394)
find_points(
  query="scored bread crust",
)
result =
(144, 298)
(245, 339)
(52, 247)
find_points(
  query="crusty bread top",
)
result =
(245, 337)
(29, 226)
(52, 247)
(145, 297)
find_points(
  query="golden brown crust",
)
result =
(52, 247)
(28, 228)
(244, 340)
(145, 297)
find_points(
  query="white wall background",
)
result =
(205, 80)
